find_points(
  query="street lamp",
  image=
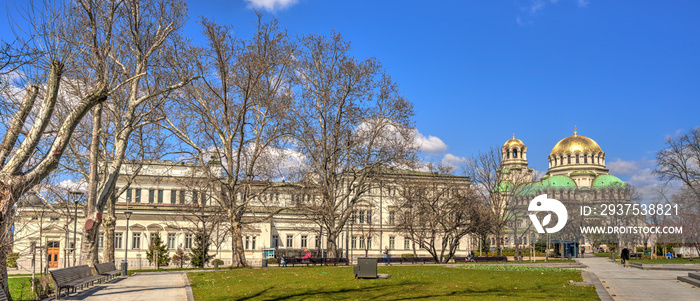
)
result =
(125, 262)
(76, 195)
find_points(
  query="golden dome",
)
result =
(514, 142)
(576, 143)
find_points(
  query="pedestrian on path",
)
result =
(386, 255)
(625, 257)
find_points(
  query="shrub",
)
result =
(217, 261)
(12, 260)
(271, 260)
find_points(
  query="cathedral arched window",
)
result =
(568, 159)
(576, 158)
(515, 153)
(585, 158)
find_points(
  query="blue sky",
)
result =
(626, 73)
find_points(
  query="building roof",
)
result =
(574, 144)
(607, 181)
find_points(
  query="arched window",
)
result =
(515, 153)
(576, 158)
(585, 158)
(568, 159)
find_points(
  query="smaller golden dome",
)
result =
(514, 142)
(574, 144)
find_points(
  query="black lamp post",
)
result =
(125, 262)
(76, 199)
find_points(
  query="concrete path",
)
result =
(147, 287)
(635, 284)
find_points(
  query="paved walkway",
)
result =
(635, 284)
(147, 287)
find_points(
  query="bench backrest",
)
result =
(105, 267)
(3, 297)
(63, 276)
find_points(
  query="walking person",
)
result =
(386, 256)
(625, 257)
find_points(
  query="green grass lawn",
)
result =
(668, 261)
(20, 288)
(525, 261)
(407, 282)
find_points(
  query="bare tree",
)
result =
(350, 121)
(23, 162)
(680, 162)
(238, 116)
(498, 189)
(436, 209)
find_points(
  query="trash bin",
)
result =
(264, 262)
(216, 264)
(366, 267)
(125, 265)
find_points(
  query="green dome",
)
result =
(607, 181)
(559, 181)
(503, 187)
(544, 177)
(529, 188)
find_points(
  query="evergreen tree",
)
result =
(158, 248)
(199, 253)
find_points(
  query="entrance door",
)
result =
(53, 251)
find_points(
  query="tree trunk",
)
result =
(3, 265)
(332, 245)
(109, 221)
(93, 218)
(237, 250)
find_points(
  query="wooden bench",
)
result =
(313, 261)
(73, 278)
(107, 269)
(402, 260)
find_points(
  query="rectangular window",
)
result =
(318, 242)
(392, 242)
(247, 242)
(369, 216)
(253, 243)
(354, 242)
(182, 196)
(369, 242)
(303, 241)
(101, 241)
(128, 195)
(151, 195)
(160, 196)
(362, 216)
(137, 197)
(406, 243)
(153, 235)
(195, 197)
(173, 196)
(362, 242)
(290, 241)
(117, 240)
(171, 240)
(188, 241)
(275, 241)
(392, 217)
(136, 241)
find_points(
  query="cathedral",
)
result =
(577, 176)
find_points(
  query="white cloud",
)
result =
(431, 145)
(622, 167)
(71, 186)
(582, 3)
(270, 5)
(453, 161)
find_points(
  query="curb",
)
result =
(188, 288)
(599, 288)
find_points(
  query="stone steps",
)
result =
(692, 278)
